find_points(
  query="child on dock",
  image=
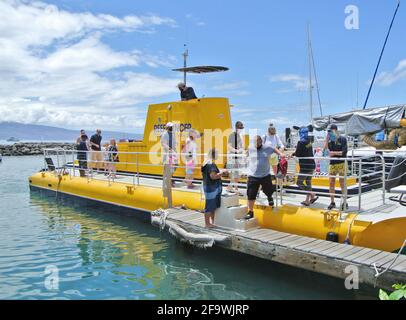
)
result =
(212, 186)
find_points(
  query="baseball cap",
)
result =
(169, 124)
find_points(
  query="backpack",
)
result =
(283, 166)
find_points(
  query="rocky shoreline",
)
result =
(32, 148)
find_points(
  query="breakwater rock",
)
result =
(32, 148)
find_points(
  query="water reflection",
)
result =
(117, 242)
(102, 244)
(108, 253)
(121, 256)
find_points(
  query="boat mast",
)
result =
(310, 74)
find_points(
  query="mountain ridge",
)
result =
(38, 132)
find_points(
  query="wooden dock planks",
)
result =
(304, 252)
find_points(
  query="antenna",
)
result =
(185, 56)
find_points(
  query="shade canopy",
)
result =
(359, 122)
(202, 69)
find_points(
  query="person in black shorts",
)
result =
(259, 173)
(304, 151)
(337, 146)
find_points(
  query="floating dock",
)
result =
(328, 258)
(289, 234)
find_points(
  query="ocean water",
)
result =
(57, 248)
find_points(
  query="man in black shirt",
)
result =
(338, 148)
(82, 150)
(186, 93)
(304, 151)
(96, 155)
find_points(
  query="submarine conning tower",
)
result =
(208, 118)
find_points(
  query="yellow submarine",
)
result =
(210, 117)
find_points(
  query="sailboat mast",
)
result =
(310, 74)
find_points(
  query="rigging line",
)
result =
(310, 74)
(380, 57)
(316, 79)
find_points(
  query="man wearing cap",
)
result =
(234, 159)
(259, 173)
(186, 93)
(168, 143)
(338, 148)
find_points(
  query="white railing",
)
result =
(355, 167)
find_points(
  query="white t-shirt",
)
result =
(273, 141)
(191, 149)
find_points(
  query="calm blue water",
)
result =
(104, 253)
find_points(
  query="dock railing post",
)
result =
(343, 207)
(167, 181)
(138, 170)
(73, 163)
(276, 190)
(359, 185)
(45, 152)
(383, 180)
(57, 161)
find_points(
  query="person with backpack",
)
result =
(304, 151)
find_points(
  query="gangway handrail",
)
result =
(344, 194)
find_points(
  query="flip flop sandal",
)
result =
(305, 204)
(314, 200)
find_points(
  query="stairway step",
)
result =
(238, 212)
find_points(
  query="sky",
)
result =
(99, 63)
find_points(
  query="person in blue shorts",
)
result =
(212, 187)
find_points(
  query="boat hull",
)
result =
(387, 235)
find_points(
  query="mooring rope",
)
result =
(378, 274)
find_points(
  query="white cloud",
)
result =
(195, 20)
(38, 23)
(299, 83)
(386, 79)
(56, 69)
(231, 86)
(237, 88)
(89, 54)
